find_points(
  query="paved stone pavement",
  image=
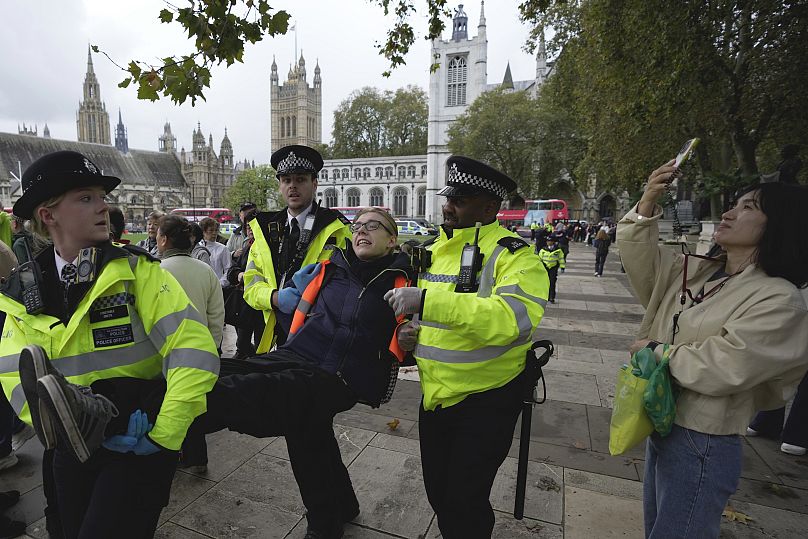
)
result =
(575, 488)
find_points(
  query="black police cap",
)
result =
(296, 159)
(55, 174)
(247, 206)
(468, 177)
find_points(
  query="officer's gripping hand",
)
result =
(305, 275)
(145, 447)
(136, 430)
(408, 335)
(405, 300)
(288, 298)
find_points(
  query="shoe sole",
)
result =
(55, 399)
(40, 418)
(18, 440)
(9, 461)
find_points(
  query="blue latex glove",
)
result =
(145, 447)
(288, 298)
(305, 275)
(135, 431)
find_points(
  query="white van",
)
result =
(411, 228)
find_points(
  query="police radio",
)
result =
(471, 261)
(31, 294)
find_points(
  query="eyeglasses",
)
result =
(369, 225)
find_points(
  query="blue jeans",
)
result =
(689, 477)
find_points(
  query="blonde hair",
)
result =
(601, 235)
(386, 217)
(37, 226)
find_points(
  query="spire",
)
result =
(482, 14)
(541, 59)
(120, 121)
(46, 131)
(121, 139)
(90, 59)
(459, 24)
(507, 81)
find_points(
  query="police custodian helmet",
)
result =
(467, 177)
(296, 159)
(56, 173)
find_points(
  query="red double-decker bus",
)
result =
(222, 215)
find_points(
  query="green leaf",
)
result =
(166, 16)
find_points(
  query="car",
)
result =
(411, 228)
(433, 230)
(228, 228)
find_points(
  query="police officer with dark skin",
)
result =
(473, 316)
(291, 238)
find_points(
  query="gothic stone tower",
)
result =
(92, 119)
(296, 108)
(460, 78)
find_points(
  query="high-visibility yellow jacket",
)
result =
(261, 275)
(135, 321)
(552, 258)
(473, 342)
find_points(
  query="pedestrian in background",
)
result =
(236, 240)
(219, 255)
(150, 242)
(198, 251)
(602, 242)
(736, 345)
(553, 259)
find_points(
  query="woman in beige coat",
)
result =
(737, 331)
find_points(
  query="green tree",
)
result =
(257, 185)
(372, 123)
(531, 143)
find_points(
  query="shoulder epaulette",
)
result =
(430, 241)
(138, 251)
(512, 244)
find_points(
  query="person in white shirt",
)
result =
(219, 255)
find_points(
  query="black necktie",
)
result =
(69, 273)
(290, 245)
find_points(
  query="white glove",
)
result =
(408, 335)
(405, 300)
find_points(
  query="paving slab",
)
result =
(228, 450)
(606, 385)
(173, 531)
(772, 495)
(613, 486)
(579, 459)
(26, 475)
(396, 443)
(591, 514)
(599, 419)
(374, 422)
(30, 508)
(507, 527)
(603, 298)
(577, 353)
(185, 489)
(571, 387)
(764, 522)
(559, 423)
(351, 441)
(390, 489)
(405, 403)
(754, 467)
(544, 498)
(352, 531)
(790, 470)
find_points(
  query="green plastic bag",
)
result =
(630, 424)
(660, 396)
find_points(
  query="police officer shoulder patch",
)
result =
(512, 244)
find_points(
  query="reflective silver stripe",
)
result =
(168, 324)
(9, 363)
(193, 359)
(104, 359)
(433, 324)
(486, 353)
(17, 400)
(437, 278)
(257, 278)
(516, 290)
(250, 265)
(304, 306)
(487, 275)
(522, 317)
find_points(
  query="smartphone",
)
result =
(687, 150)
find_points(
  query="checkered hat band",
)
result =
(292, 162)
(113, 301)
(464, 178)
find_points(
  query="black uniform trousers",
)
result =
(552, 274)
(284, 396)
(462, 447)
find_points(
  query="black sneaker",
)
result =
(34, 364)
(80, 416)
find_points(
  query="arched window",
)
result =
(376, 196)
(323, 175)
(411, 171)
(294, 126)
(402, 172)
(331, 198)
(399, 201)
(288, 126)
(357, 173)
(366, 172)
(388, 171)
(421, 201)
(456, 79)
(283, 128)
(378, 172)
(423, 170)
(345, 174)
(352, 197)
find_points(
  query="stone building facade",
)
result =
(296, 109)
(207, 174)
(398, 183)
(92, 119)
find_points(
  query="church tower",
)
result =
(121, 140)
(167, 141)
(296, 107)
(92, 119)
(462, 75)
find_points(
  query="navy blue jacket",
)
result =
(348, 329)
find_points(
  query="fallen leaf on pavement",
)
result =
(548, 484)
(579, 444)
(736, 516)
(393, 424)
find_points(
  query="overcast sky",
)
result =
(44, 44)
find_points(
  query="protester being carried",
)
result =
(737, 344)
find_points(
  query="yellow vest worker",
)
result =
(291, 238)
(477, 309)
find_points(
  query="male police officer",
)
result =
(291, 238)
(477, 310)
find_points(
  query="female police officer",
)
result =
(100, 312)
